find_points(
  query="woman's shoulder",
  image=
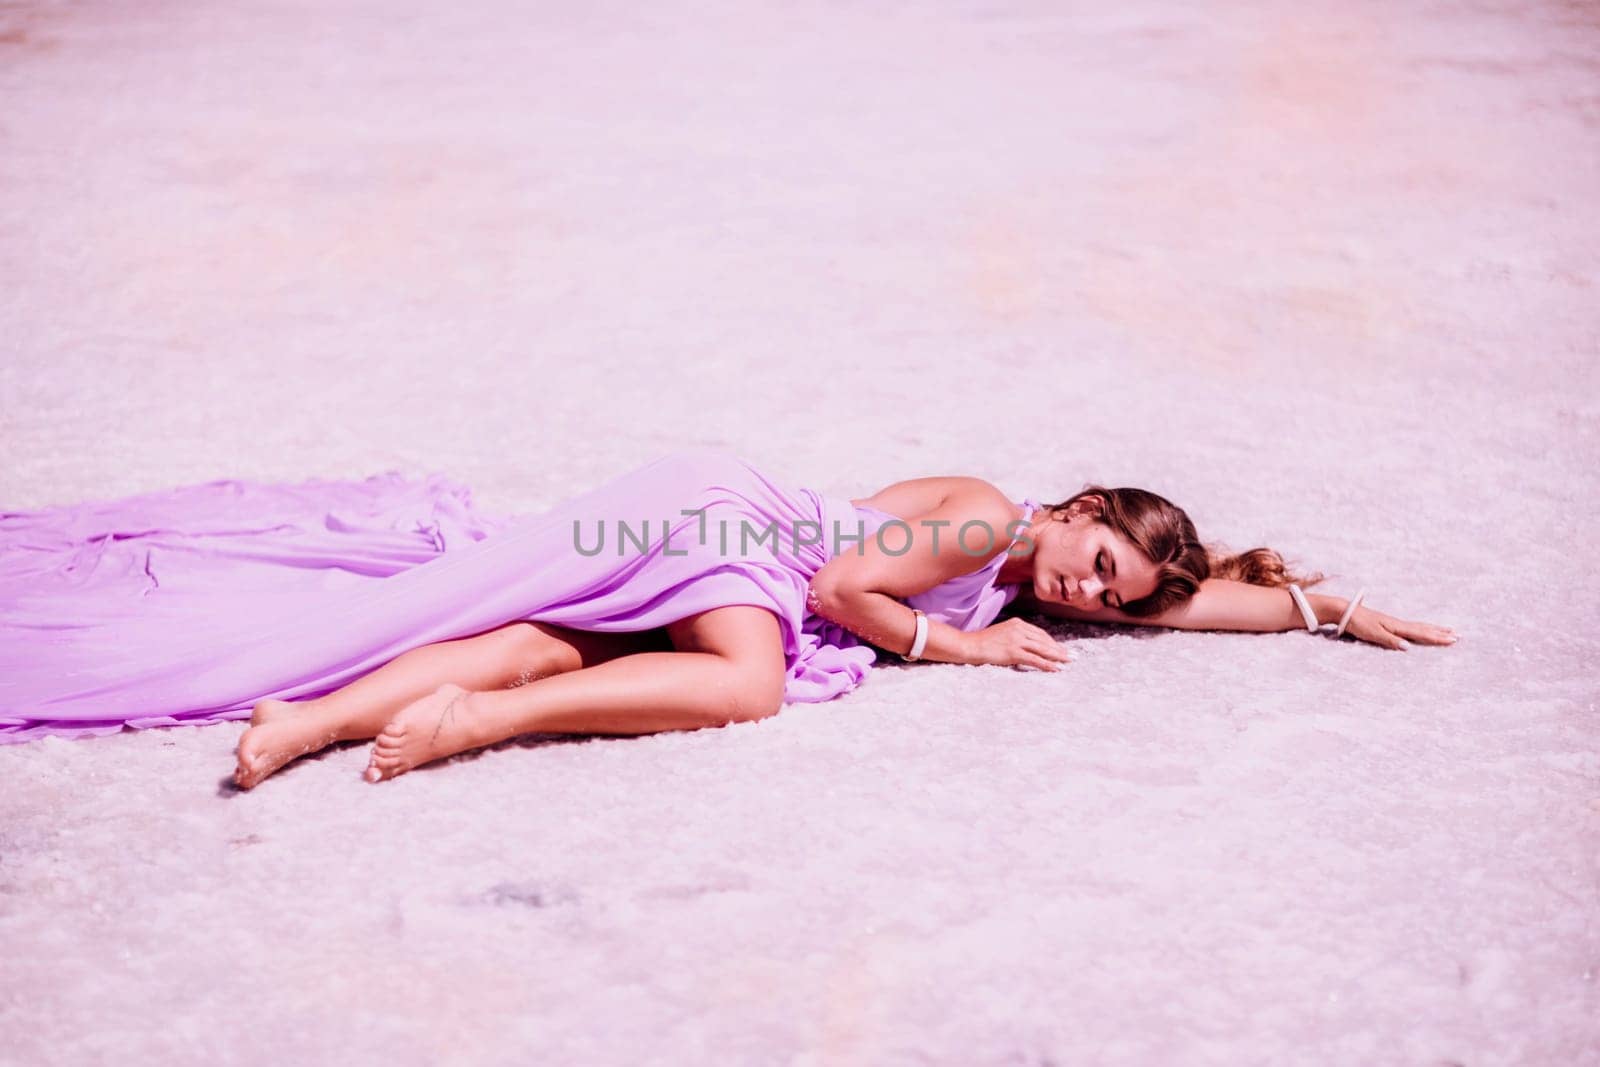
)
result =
(918, 496)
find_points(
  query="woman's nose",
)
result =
(1091, 587)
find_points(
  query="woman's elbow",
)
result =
(821, 594)
(828, 596)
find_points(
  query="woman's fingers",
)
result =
(1426, 633)
(1036, 660)
(1056, 650)
(1048, 658)
(1386, 631)
(1376, 633)
(1391, 630)
(1385, 635)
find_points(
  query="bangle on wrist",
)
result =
(919, 642)
(1349, 612)
(1308, 616)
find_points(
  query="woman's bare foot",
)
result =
(279, 733)
(440, 724)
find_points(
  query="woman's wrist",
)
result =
(1327, 608)
(947, 644)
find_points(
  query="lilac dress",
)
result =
(188, 605)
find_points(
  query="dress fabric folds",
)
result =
(188, 605)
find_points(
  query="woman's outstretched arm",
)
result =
(1221, 604)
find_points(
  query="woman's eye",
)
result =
(1099, 563)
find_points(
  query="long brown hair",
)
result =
(1164, 533)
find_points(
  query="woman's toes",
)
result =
(385, 769)
(384, 762)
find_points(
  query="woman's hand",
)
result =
(1389, 632)
(1016, 643)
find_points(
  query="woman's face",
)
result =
(1083, 563)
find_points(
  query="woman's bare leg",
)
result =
(728, 667)
(514, 654)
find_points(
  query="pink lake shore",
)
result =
(1325, 277)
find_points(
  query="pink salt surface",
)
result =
(1324, 274)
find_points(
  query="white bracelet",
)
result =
(1344, 620)
(922, 636)
(1300, 601)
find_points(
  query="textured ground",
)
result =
(1326, 277)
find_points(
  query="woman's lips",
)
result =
(1061, 583)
